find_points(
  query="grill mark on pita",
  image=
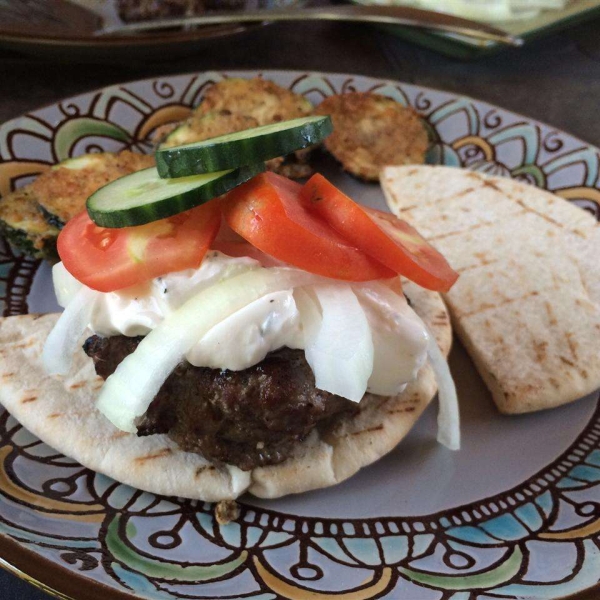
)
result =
(420, 204)
(396, 411)
(23, 345)
(583, 282)
(160, 454)
(546, 217)
(551, 315)
(491, 184)
(540, 350)
(487, 306)
(77, 385)
(554, 382)
(370, 430)
(28, 399)
(118, 435)
(572, 344)
(54, 415)
(409, 207)
(484, 262)
(440, 319)
(566, 361)
(201, 470)
(442, 236)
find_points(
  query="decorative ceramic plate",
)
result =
(514, 514)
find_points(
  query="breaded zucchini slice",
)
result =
(262, 100)
(202, 126)
(63, 190)
(24, 227)
(236, 104)
(371, 131)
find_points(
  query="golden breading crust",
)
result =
(258, 98)
(63, 190)
(371, 131)
(23, 225)
(203, 126)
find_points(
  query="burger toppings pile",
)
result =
(236, 310)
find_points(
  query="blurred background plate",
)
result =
(71, 34)
(548, 21)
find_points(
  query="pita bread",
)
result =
(61, 412)
(527, 303)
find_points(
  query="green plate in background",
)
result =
(459, 46)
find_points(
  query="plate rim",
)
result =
(61, 582)
(265, 72)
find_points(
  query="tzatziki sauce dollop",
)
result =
(272, 322)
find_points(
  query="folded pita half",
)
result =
(61, 412)
(527, 303)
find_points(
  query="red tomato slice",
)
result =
(267, 212)
(112, 259)
(395, 243)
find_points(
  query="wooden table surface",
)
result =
(556, 80)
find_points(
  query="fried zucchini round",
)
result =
(24, 227)
(262, 100)
(203, 126)
(371, 131)
(63, 190)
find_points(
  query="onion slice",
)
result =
(339, 349)
(65, 285)
(64, 338)
(129, 391)
(448, 415)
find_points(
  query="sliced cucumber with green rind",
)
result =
(242, 148)
(143, 197)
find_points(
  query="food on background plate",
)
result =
(132, 11)
(232, 372)
(490, 11)
(527, 303)
(372, 131)
(235, 104)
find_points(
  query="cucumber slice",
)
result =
(242, 148)
(143, 197)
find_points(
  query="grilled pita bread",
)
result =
(61, 412)
(527, 303)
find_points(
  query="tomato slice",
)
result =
(393, 242)
(112, 259)
(267, 212)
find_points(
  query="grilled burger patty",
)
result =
(246, 418)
